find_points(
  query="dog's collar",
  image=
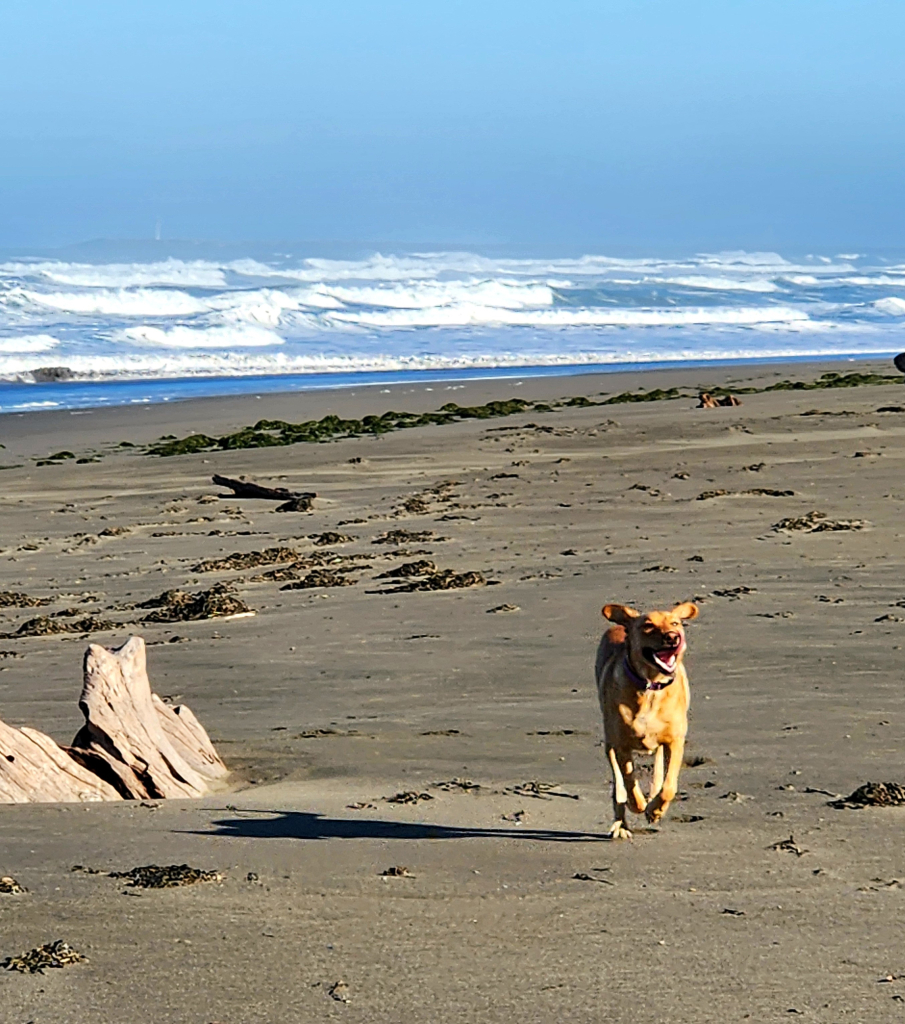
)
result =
(640, 681)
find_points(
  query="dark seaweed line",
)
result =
(276, 433)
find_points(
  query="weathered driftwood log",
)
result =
(132, 745)
(247, 489)
(151, 750)
(34, 769)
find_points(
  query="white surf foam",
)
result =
(892, 305)
(28, 343)
(197, 273)
(465, 314)
(212, 337)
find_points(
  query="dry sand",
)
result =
(797, 694)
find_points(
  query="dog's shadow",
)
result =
(306, 825)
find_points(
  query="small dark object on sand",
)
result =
(51, 954)
(583, 876)
(178, 606)
(734, 593)
(788, 846)
(708, 401)
(9, 886)
(540, 790)
(397, 871)
(339, 991)
(900, 362)
(451, 785)
(407, 797)
(247, 489)
(872, 794)
(302, 504)
(155, 876)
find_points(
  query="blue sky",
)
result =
(601, 125)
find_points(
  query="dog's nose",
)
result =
(672, 639)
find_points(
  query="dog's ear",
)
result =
(685, 611)
(620, 613)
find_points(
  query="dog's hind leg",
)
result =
(619, 828)
(657, 781)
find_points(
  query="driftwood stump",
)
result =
(34, 769)
(151, 748)
(132, 745)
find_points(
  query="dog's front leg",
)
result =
(657, 781)
(619, 828)
(660, 803)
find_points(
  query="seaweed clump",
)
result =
(178, 606)
(654, 395)
(836, 380)
(12, 599)
(43, 625)
(397, 537)
(274, 433)
(817, 522)
(873, 794)
(441, 579)
(320, 578)
(51, 954)
(422, 567)
(324, 539)
(155, 876)
(246, 560)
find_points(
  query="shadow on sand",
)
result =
(304, 825)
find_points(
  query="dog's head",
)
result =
(655, 641)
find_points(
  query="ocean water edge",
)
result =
(154, 330)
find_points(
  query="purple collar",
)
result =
(640, 681)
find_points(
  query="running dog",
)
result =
(643, 689)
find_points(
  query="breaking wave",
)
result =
(439, 311)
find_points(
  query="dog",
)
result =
(643, 689)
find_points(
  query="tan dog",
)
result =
(644, 697)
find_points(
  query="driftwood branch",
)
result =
(132, 745)
(246, 489)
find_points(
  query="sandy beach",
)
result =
(478, 701)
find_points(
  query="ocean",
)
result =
(168, 328)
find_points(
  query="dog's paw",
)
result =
(618, 831)
(654, 812)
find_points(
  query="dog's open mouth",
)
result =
(665, 659)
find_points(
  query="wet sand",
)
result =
(329, 700)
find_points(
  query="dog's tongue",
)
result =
(667, 659)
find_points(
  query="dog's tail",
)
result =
(612, 641)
